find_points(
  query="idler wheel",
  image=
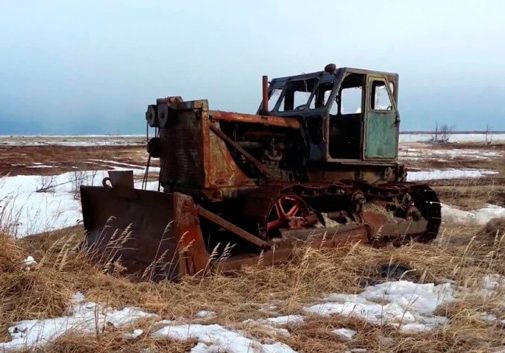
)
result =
(286, 212)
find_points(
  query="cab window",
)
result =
(322, 96)
(296, 95)
(380, 97)
(274, 97)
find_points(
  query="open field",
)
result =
(447, 296)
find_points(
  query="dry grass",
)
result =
(62, 269)
(473, 195)
(494, 228)
(10, 254)
(462, 254)
(113, 342)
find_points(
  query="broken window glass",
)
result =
(380, 97)
(274, 97)
(297, 94)
(321, 97)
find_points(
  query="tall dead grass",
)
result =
(45, 290)
(10, 253)
(461, 255)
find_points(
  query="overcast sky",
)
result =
(93, 67)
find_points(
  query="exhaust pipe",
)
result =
(264, 106)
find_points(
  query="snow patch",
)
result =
(278, 321)
(268, 308)
(447, 154)
(86, 317)
(402, 304)
(37, 166)
(215, 338)
(435, 174)
(132, 335)
(481, 216)
(29, 261)
(73, 141)
(420, 137)
(345, 333)
(202, 314)
(31, 212)
(493, 282)
(492, 319)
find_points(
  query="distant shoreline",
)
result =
(71, 135)
(451, 132)
(423, 132)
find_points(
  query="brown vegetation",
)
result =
(45, 290)
(462, 254)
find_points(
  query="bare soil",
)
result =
(34, 160)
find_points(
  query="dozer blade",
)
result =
(157, 235)
(153, 234)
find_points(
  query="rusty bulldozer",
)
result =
(317, 163)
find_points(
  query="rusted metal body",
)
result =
(238, 186)
(134, 232)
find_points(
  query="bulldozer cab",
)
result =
(349, 115)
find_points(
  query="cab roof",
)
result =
(390, 75)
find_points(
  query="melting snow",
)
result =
(90, 318)
(345, 333)
(287, 320)
(492, 285)
(36, 166)
(29, 261)
(423, 153)
(419, 137)
(205, 314)
(492, 319)
(481, 216)
(215, 338)
(73, 141)
(86, 317)
(449, 174)
(403, 304)
(33, 212)
(268, 308)
(406, 305)
(493, 282)
(136, 333)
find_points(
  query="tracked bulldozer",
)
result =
(317, 163)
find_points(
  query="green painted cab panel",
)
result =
(381, 135)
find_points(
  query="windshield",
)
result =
(296, 95)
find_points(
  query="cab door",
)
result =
(381, 120)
